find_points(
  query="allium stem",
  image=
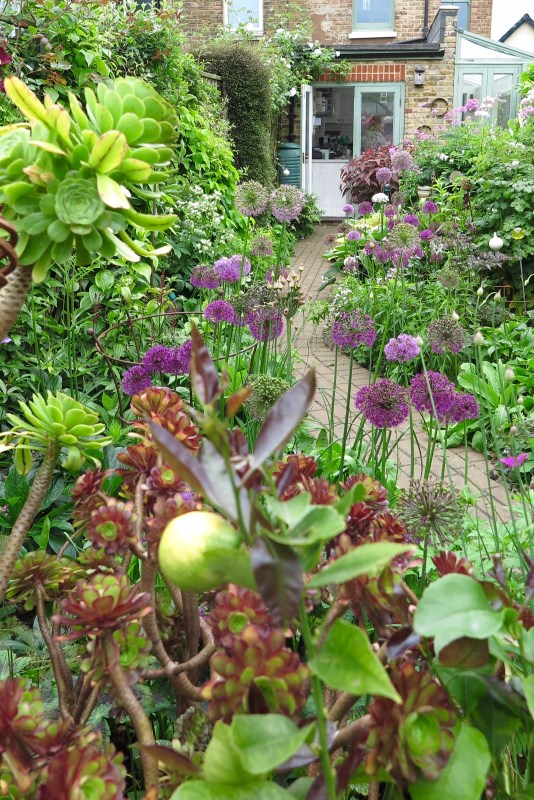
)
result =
(15, 540)
(140, 721)
(12, 297)
(332, 403)
(322, 722)
(347, 414)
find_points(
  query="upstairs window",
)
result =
(373, 14)
(247, 13)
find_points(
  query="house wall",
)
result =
(505, 14)
(522, 38)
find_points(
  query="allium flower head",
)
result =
(448, 277)
(401, 160)
(380, 198)
(411, 219)
(384, 404)
(157, 359)
(354, 235)
(204, 277)
(286, 203)
(265, 323)
(426, 234)
(261, 245)
(432, 390)
(446, 334)
(219, 311)
(403, 348)
(352, 328)
(229, 269)
(430, 207)
(464, 407)
(136, 380)
(251, 198)
(430, 508)
(266, 390)
(403, 237)
(181, 357)
(350, 263)
(348, 209)
(390, 211)
(365, 208)
(383, 175)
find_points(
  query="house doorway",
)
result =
(339, 122)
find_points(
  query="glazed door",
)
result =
(306, 136)
(378, 115)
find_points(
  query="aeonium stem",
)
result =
(140, 721)
(12, 297)
(19, 531)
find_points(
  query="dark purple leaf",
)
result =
(283, 419)
(285, 478)
(278, 574)
(306, 755)
(173, 761)
(257, 703)
(203, 372)
(402, 640)
(465, 653)
(317, 790)
(189, 468)
(217, 472)
(236, 400)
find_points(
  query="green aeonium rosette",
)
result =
(69, 178)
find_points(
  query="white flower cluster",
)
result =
(202, 224)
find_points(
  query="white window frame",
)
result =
(372, 30)
(254, 27)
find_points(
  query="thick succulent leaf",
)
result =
(25, 100)
(282, 420)
(111, 193)
(108, 152)
(278, 574)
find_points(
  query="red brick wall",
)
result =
(481, 17)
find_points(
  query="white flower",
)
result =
(380, 197)
(338, 53)
(481, 113)
(515, 163)
(443, 157)
(292, 92)
(317, 51)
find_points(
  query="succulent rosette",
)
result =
(38, 570)
(67, 182)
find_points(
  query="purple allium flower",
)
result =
(354, 235)
(181, 356)
(261, 245)
(350, 263)
(365, 208)
(426, 235)
(390, 211)
(403, 348)
(157, 359)
(391, 224)
(384, 404)
(135, 380)
(465, 407)
(383, 175)
(352, 328)
(514, 461)
(348, 209)
(204, 277)
(432, 391)
(472, 105)
(251, 199)
(219, 311)
(429, 207)
(446, 334)
(411, 219)
(265, 323)
(286, 203)
(401, 160)
(229, 269)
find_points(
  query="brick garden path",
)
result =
(312, 351)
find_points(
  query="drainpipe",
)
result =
(425, 20)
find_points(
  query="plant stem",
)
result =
(317, 692)
(15, 540)
(347, 414)
(140, 721)
(12, 297)
(332, 403)
(65, 693)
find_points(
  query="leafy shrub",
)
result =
(247, 88)
(358, 177)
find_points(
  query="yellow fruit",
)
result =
(200, 551)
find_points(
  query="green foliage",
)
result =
(247, 87)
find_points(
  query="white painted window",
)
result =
(246, 13)
(373, 14)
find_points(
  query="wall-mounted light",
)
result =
(419, 76)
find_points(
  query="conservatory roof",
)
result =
(472, 47)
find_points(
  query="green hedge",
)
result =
(247, 89)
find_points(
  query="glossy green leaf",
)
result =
(464, 777)
(365, 559)
(266, 740)
(222, 762)
(306, 523)
(528, 688)
(346, 662)
(257, 790)
(453, 607)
